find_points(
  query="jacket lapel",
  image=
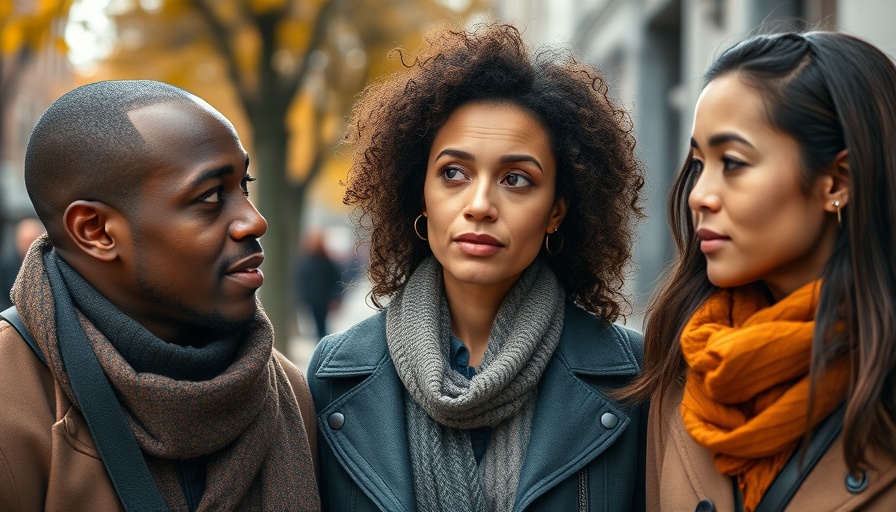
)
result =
(373, 451)
(567, 428)
(567, 431)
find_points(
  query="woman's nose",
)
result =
(481, 205)
(704, 195)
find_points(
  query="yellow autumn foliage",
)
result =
(30, 24)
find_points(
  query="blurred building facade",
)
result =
(654, 52)
(41, 77)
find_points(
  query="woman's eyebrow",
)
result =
(722, 138)
(463, 155)
(457, 153)
(521, 158)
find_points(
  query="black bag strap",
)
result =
(792, 475)
(111, 433)
(11, 315)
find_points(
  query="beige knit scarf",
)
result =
(245, 420)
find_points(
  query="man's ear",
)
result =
(95, 228)
(836, 183)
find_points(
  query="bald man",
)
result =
(152, 378)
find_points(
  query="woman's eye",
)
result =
(730, 164)
(514, 180)
(453, 174)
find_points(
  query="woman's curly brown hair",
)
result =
(395, 121)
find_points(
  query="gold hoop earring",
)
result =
(839, 215)
(547, 245)
(423, 215)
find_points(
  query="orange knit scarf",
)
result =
(747, 393)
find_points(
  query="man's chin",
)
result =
(230, 323)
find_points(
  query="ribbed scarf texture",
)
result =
(441, 405)
(242, 415)
(747, 394)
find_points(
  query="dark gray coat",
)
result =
(585, 452)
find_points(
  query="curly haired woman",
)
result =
(500, 191)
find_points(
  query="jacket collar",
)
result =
(590, 346)
(567, 431)
(358, 351)
(361, 350)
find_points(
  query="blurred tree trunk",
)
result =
(11, 69)
(25, 28)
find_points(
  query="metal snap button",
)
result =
(336, 420)
(609, 420)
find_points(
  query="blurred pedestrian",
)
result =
(318, 280)
(770, 352)
(27, 230)
(501, 191)
(151, 381)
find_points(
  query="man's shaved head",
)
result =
(86, 147)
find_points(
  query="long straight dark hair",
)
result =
(829, 92)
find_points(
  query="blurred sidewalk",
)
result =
(353, 310)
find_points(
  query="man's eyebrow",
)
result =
(506, 159)
(722, 138)
(210, 174)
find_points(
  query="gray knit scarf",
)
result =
(441, 405)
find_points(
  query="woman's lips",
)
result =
(710, 241)
(478, 244)
(710, 246)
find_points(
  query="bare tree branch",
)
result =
(323, 149)
(318, 33)
(224, 43)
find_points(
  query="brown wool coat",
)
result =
(47, 458)
(680, 473)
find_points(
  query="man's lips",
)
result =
(478, 244)
(710, 241)
(246, 271)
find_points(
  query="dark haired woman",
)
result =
(500, 193)
(770, 353)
